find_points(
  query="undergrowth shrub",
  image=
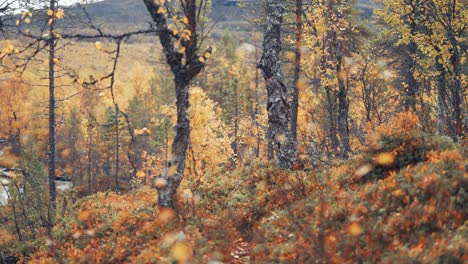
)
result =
(401, 201)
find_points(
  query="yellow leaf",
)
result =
(166, 214)
(301, 84)
(290, 55)
(172, 171)
(55, 61)
(355, 229)
(59, 14)
(185, 20)
(27, 21)
(331, 238)
(83, 215)
(162, 10)
(17, 22)
(140, 174)
(384, 159)
(98, 45)
(146, 131)
(201, 59)
(182, 252)
(50, 12)
(66, 153)
(397, 192)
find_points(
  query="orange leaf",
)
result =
(355, 229)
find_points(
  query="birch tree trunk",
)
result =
(343, 114)
(185, 65)
(179, 146)
(277, 102)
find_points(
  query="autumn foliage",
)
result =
(411, 209)
(401, 200)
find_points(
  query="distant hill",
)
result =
(119, 11)
(134, 11)
(226, 13)
(123, 15)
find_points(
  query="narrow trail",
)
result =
(240, 252)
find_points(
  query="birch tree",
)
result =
(278, 107)
(180, 40)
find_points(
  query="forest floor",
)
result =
(402, 200)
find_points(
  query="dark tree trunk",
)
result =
(297, 71)
(51, 152)
(185, 66)
(459, 115)
(270, 150)
(343, 112)
(441, 98)
(277, 102)
(117, 147)
(412, 84)
(329, 64)
(366, 92)
(332, 131)
(14, 135)
(459, 111)
(336, 51)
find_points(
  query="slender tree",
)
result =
(297, 70)
(51, 152)
(181, 49)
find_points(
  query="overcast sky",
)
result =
(61, 2)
